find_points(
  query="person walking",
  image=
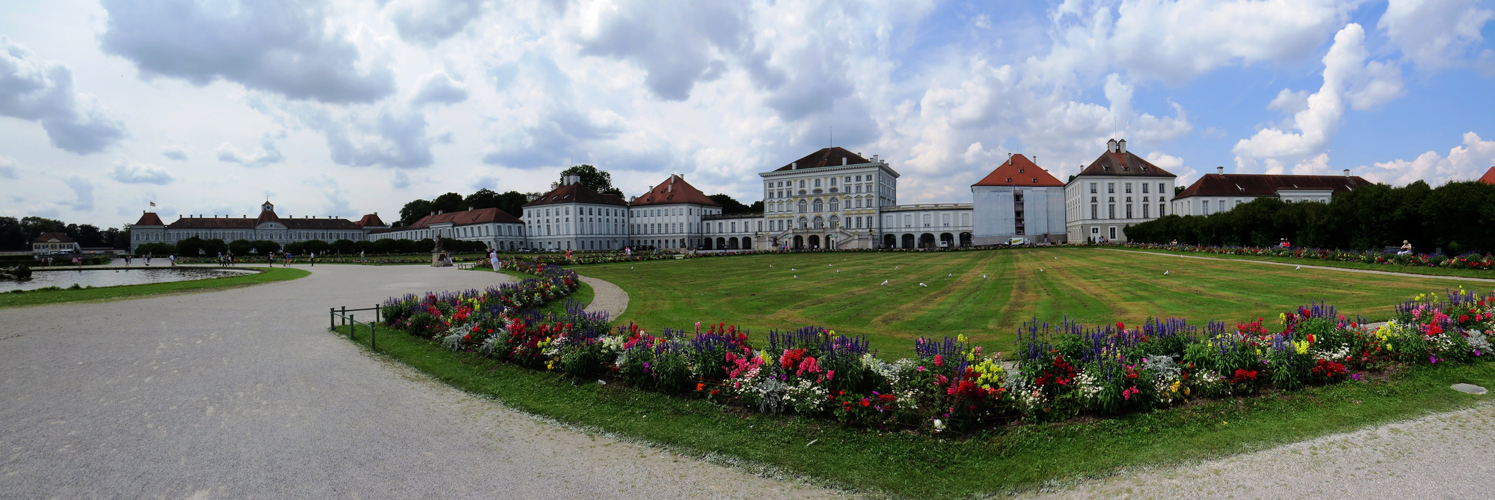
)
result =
(312, 256)
(172, 258)
(147, 260)
(493, 259)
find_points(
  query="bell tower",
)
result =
(267, 207)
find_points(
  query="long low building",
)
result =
(492, 226)
(1221, 192)
(267, 226)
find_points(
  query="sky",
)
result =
(341, 108)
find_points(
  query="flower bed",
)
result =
(1061, 371)
(1467, 261)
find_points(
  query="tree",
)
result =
(413, 211)
(756, 207)
(512, 202)
(447, 203)
(598, 180)
(12, 235)
(483, 198)
(729, 205)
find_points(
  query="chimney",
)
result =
(1121, 146)
(1347, 172)
(843, 160)
(1220, 170)
(1111, 146)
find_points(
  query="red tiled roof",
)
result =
(149, 219)
(827, 157)
(1019, 171)
(674, 190)
(371, 220)
(1267, 185)
(1489, 177)
(48, 237)
(1124, 164)
(479, 216)
(576, 193)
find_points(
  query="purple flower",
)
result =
(1356, 377)
(1433, 359)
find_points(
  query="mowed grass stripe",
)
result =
(1089, 285)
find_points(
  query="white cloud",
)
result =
(174, 152)
(1176, 41)
(428, 23)
(35, 89)
(268, 154)
(140, 173)
(439, 88)
(82, 194)
(1435, 34)
(1466, 162)
(7, 168)
(279, 46)
(1174, 165)
(1348, 79)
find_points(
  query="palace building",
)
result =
(268, 226)
(830, 199)
(1221, 192)
(1117, 190)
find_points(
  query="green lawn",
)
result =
(43, 297)
(1091, 285)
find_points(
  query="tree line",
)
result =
(16, 234)
(1451, 219)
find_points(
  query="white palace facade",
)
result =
(830, 199)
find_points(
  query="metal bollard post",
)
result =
(377, 312)
(345, 315)
(373, 338)
(352, 326)
(332, 318)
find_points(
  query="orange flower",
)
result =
(700, 386)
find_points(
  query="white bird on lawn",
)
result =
(770, 265)
(838, 270)
(1165, 273)
(796, 276)
(947, 275)
(1297, 268)
(895, 268)
(983, 276)
(923, 285)
(1040, 269)
(884, 282)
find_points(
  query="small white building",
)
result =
(831, 198)
(669, 216)
(1117, 190)
(927, 225)
(574, 217)
(492, 226)
(1018, 200)
(1220, 192)
(732, 231)
(54, 244)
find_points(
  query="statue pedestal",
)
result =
(437, 260)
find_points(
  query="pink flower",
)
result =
(939, 360)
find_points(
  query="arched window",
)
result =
(819, 206)
(835, 204)
(804, 223)
(819, 222)
(835, 221)
(802, 205)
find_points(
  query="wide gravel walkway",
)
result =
(1440, 456)
(244, 392)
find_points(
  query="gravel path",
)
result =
(1326, 268)
(243, 392)
(1440, 456)
(606, 297)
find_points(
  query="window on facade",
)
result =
(835, 205)
(803, 206)
(1128, 210)
(1094, 211)
(1160, 189)
(819, 206)
(1144, 187)
(833, 181)
(926, 220)
(1205, 207)
(1128, 187)
(945, 220)
(1144, 208)
(1111, 211)
(1092, 188)
(1110, 187)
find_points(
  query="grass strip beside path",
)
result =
(1007, 459)
(46, 297)
(1385, 268)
